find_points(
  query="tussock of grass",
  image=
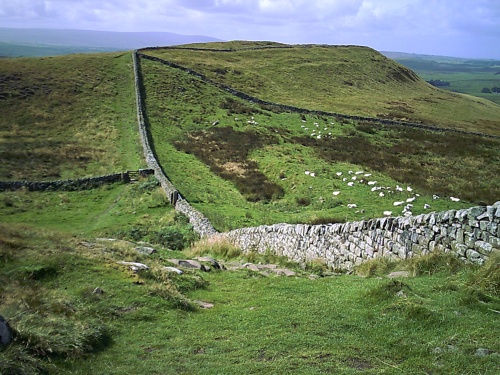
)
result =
(389, 290)
(436, 262)
(215, 246)
(487, 277)
(375, 267)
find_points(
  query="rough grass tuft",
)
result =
(216, 246)
(487, 277)
(432, 263)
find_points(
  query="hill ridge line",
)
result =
(294, 109)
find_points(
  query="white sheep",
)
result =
(381, 194)
(352, 205)
(398, 203)
(387, 213)
(455, 199)
(336, 192)
(350, 183)
(409, 200)
(339, 173)
(372, 182)
(427, 206)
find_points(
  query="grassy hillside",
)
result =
(67, 116)
(76, 310)
(243, 165)
(341, 79)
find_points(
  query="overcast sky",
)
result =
(461, 28)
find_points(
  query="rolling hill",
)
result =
(342, 79)
(76, 306)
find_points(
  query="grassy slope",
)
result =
(212, 164)
(260, 325)
(50, 264)
(348, 80)
(68, 116)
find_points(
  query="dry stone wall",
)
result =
(82, 183)
(472, 234)
(200, 223)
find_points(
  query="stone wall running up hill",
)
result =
(200, 223)
(472, 234)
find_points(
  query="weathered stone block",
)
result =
(494, 241)
(473, 256)
(483, 247)
(459, 248)
(474, 212)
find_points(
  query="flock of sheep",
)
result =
(360, 177)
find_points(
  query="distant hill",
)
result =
(49, 42)
(343, 79)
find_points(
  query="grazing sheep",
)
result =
(350, 183)
(352, 205)
(455, 199)
(387, 213)
(398, 203)
(409, 200)
(426, 206)
(435, 196)
(381, 194)
(409, 188)
(339, 173)
(372, 182)
(336, 192)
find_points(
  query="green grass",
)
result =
(67, 117)
(52, 258)
(465, 76)
(147, 322)
(242, 165)
(347, 80)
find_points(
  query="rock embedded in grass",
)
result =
(6, 335)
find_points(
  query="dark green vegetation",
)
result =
(67, 117)
(76, 310)
(244, 165)
(466, 76)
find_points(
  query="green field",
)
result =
(76, 310)
(465, 76)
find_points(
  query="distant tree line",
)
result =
(494, 90)
(438, 83)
